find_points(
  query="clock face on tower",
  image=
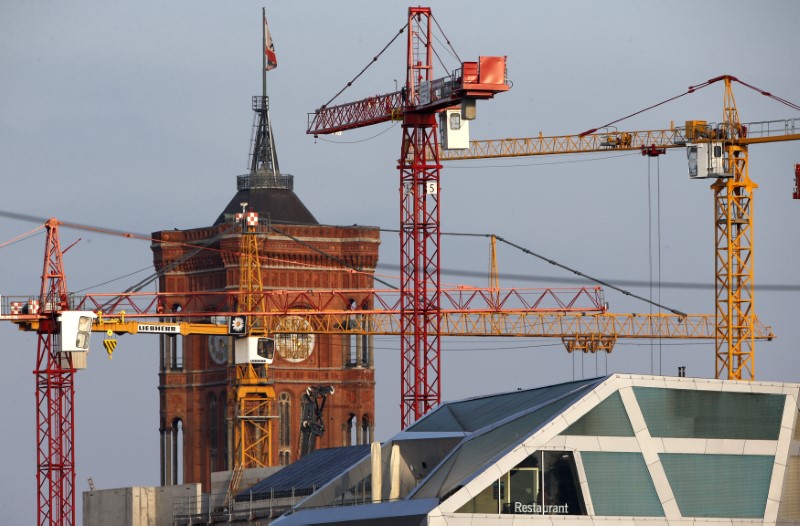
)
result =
(218, 349)
(294, 346)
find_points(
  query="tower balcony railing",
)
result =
(264, 180)
(260, 103)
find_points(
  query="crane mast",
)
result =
(252, 391)
(55, 396)
(420, 310)
(417, 105)
(733, 206)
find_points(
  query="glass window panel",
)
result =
(477, 413)
(680, 413)
(561, 489)
(620, 484)
(608, 418)
(529, 489)
(475, 454)
(523, 487)
(731, 486)
(487, 501)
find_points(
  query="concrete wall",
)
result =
(135, 506)
(123, 506)
(167, 496)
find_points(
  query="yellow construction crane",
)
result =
(719, 152)
(466, 317)
(251, 388)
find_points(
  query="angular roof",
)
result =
(310, 472)
(280, 205)
(473, 414)
(495, 424)
(456, 460)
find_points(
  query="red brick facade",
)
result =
(195, 417)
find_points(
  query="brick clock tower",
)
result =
(296, 252)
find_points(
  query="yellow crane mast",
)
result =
(252, 388)
(719, 152)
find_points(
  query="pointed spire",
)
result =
(263, 164)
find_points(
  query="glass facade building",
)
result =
(661, 449)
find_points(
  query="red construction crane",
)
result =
(55, 392)
(417, 105)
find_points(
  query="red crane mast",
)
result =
(417, 105)
(55, 395)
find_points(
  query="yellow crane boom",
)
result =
(614, 140)
(723, 152)
(506, 323)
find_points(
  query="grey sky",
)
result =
(136, 116)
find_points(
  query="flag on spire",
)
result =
(269, 48)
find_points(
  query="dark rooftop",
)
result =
(273, 204)
(310, 472)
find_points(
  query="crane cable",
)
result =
(650, 251)
(203, 245)
(692, 89)
(197, 248)
(22, 237)
(574, 271)
(598, 281)
(452, 49)
(776, 287)
(329, 256)
(545, 163)
(318, 138)
(768, 94)
(449, 45)
(374, 59)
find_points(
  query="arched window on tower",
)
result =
(171, 352)
(357, 347)
(284, 428)
(212, 416)
(213, 420)
(222, 463)
(366, 430)
(177, 451)
(177, 352)
(366, 356)
(176, 345)
(350, 431)
(165, 442)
